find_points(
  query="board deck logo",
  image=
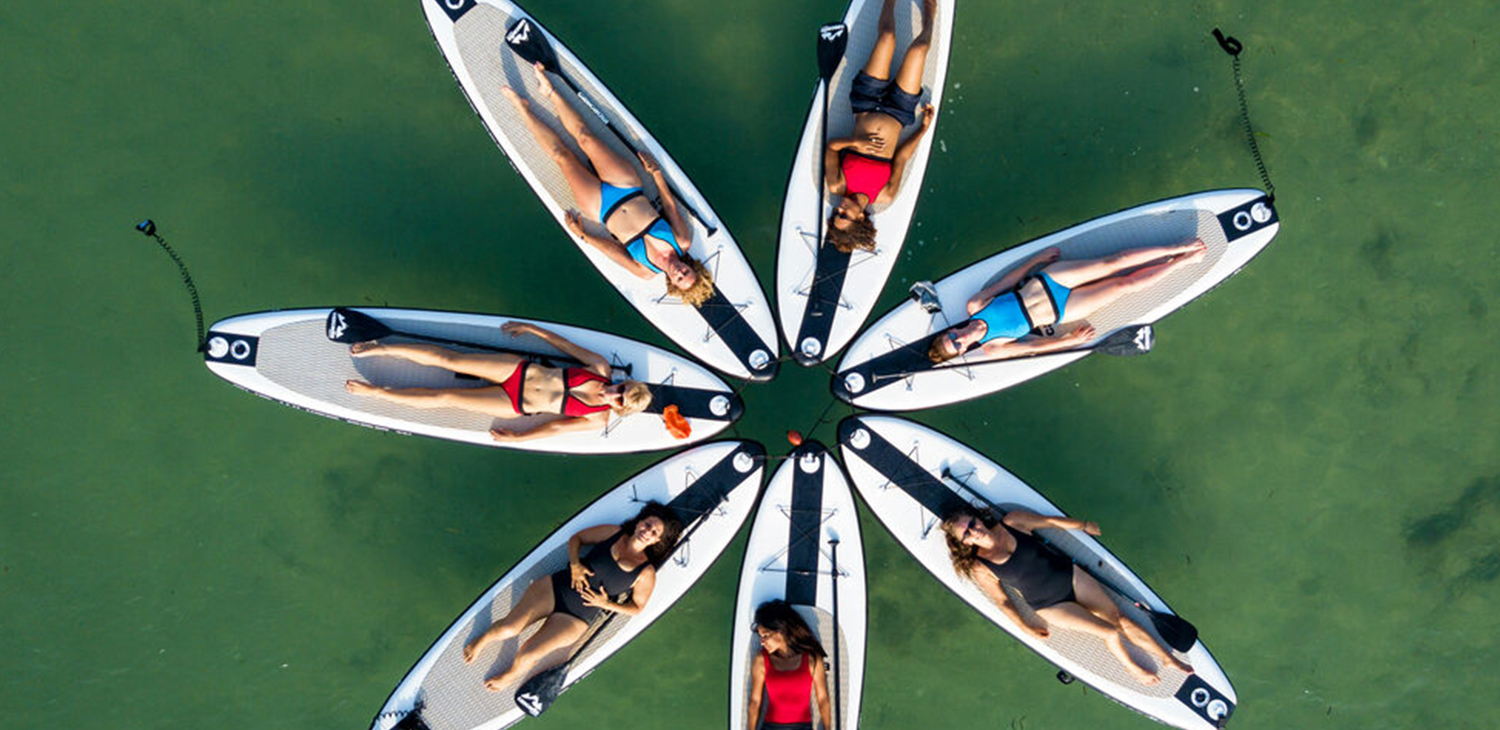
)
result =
(519, 33)
(455, 8)
(831, 32)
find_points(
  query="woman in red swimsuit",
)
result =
(582, 397)
(865, 168)
(789, 674)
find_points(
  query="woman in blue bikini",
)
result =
(1021, 313)
(640, 239)
(622, 560)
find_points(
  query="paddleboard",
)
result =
(898, 469)
(733, 332)
(287, 356)
(790, 556)
(824, 296)
(887, 368)
(712, 487)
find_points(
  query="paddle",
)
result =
(1133, 340)
(1174, 629)
(351, 326)
(530, 42)
(833, 545)
(833, 38)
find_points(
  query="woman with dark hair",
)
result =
(583, 397)
(1057, 590)
(1019, 314)
(622, 562)
(791, 673)
(642, 240)
(865, 168)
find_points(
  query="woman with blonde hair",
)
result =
(642, 240)
(583, 398)
(1059, 591)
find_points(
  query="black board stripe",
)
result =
(714, 485)
(822, 302)
(909, 358)
(805, 528)
(906, 474)
(725, 320)
(693, 402)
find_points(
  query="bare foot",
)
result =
(1181, 665)
(498, 682)
(1193, 251)
(359, 387)
(472, 649)
(543, 84)
(364, 349)
(521, 103)
(1142, 675)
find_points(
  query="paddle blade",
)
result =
(539, 692)
(1175, 630)
(832, 39)
(347, 325)
(531, 44)
(1129, 341)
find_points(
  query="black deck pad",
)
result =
(725, 320)
(713, 486)
(693, 402)
(906, 474)
(823, 297)
(909, 358)
(805, 528)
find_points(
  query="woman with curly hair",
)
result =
(582, 397)
(865, 168)
(640, 239)
(622, 562)
(792, 672)
(1057, 590)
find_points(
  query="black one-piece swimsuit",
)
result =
(1043, 576)
(608, 575)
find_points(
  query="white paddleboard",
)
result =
(822, 300)
(734, 332)
(887, 368)
(287, 356)
(898, 469)
(712, 487)
(789, 556)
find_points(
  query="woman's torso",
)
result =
(568, 391)
(788, 691)
(609, 574)
(884, 127)
(634, 220)
(1043, 576)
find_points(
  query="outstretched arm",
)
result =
(820, 690)
(757, 689)
(669, 208)
(554, 427)
(607, 246)
(589, 358)
(904, 153)
(1028, 521)
(1012, 278)
(1031, 345)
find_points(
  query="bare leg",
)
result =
(879, 65)
(491, 401)
(1073, 274)
(1090, 298)
(558, 632)
(1091, 595)
(611, 167)
(583, 183)
(492, 367)
(1070, 615)
(534, 606)
(909, 77)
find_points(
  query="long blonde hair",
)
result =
(701, 291)
(634, 399)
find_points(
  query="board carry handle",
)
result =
(529, 41)
(1175, 630)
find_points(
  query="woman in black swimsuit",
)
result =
(622, 561)
(1060, 592)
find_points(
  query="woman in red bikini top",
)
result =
(865, 168)
(789, 674)
(582, 397)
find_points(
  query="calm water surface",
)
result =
(1306, 467)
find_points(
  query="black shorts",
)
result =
(869, 94)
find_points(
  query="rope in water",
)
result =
(1233, 47)
(148, 227)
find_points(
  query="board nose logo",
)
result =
(336, 326)
(520, 33)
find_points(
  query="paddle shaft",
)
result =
(1156, 616)
(833, 546)
(825, 77)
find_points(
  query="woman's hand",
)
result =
(1083, 333)
(929, 112)
(1092, 528)
(1040, 632)
(516, 329)
(504, 435)
(1048, 255)
(597, 599)
(580, 576)
(648, 162)
(574, 222)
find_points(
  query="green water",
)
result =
(1306, 466)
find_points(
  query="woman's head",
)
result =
(658, 527)
(628, 397)
(955, 340)
(962, 528)
(850, 228)
(782, 630)
(688, 279)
